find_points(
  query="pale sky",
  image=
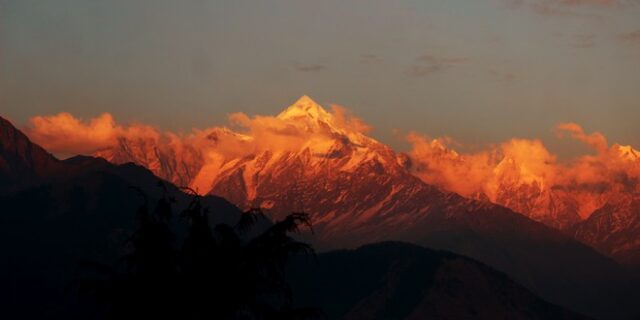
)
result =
(479, 71)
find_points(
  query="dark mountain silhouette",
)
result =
(55, 214)
(395, 280)
(551, 264)
(21, 161)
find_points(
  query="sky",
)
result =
(480, 71)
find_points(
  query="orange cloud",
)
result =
(345, 119)
(560, 3)
(270, 133)
(595, 140)
(528, 169)
(63, 133)
(588, 2)
(630, 37)
(429, 63)
(436, 164)
(472, 174)
(180, 157)
(564, 8)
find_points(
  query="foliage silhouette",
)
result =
(208, 273)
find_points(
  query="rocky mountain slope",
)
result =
(614, 229)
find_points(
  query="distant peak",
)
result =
(627, 152)
(305, 107)
(305, 99)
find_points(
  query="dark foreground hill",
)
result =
(47, 231)
(394, 280)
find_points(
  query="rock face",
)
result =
(178, 165)
(349, 183)
(554, 207)
(614, 229)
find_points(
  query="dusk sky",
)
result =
(479, 71)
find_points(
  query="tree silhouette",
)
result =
(212, 273)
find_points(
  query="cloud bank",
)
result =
(483, 174)
(65, 134)
(516, 162)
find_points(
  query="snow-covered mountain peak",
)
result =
(627, 152)
(306, 108)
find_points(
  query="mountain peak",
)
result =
(305, 107)
(9, 134)
(20, 159)
(627, 152)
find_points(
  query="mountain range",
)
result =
(358, 190)
(57, 214)
(330, 174)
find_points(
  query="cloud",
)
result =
(502, 75)
(588, 2)
(270, 133)
(345, 119)
(584, 41)
(611, 168)
(63, 133)
(630, 37)
(564, 8)
(194, 158)
(561, 4)
(527, 162)
(435, 163)
(595, 140)
(429, 64)
(479, 173)
(370, 58)
(309, 67)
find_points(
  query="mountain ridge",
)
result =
(358, 190)
(80, 214)
(393, 280)
(21, 161)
